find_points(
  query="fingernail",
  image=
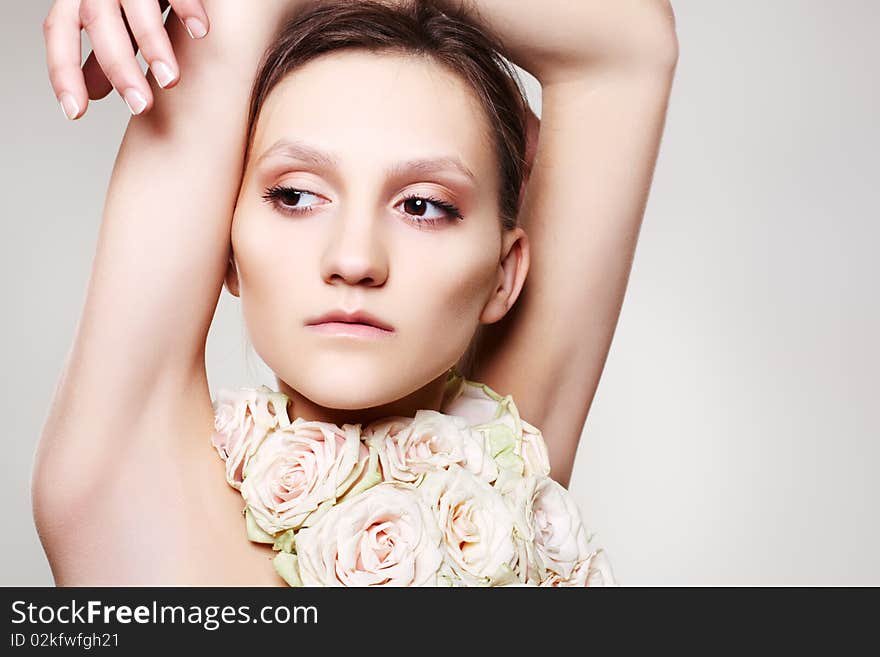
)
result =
(195, 27)
(163, 73)
(69, 105)
(135, 101)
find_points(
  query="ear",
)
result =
(512, 272)
(231, 278)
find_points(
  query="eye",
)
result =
(287, 199)
(415, 207)
(418, 206)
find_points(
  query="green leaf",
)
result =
(254, 531)
(510, 461)
(286, 541)
(287, 566)
(504, 575)
(501, 438)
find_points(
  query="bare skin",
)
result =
(126, 487)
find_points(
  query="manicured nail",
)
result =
(135, 101)
(69, 105)
(195, 27)
(163, 73)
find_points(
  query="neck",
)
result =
(429, 397)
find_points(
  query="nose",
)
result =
(354, 252)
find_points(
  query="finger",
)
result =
(144, 18)
(102, 20)
(96, 82)
(193, 16)
(61, 30)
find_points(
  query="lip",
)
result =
(356, 323)
(351, 330)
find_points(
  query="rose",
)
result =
(477, 526)
(595, 570)
(520, 584)
(446, 576)
(517, 446)
(551, 535)
(598, 571)
(476, 402)
(241, 420)
(518, 495)
(533, 451)
(384, 536)
(299, 472)
(411, 447)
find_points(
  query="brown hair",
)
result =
(428, 28)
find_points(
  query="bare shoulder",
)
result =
(161, 513)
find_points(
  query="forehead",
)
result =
(380, 108)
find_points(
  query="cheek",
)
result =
(451, 287)
(270, 275)
(269, 259)
(447, 302)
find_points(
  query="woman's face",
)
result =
(323, 224)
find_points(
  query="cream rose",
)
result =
(551, 534)
(533, 451)
(520, 584)
(385, 536)
(475, 402)
(517, 446)
(595, 570)
(298, 473)
(477, 526)
(411, 447)
(242, 419)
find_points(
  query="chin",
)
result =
(347, 382)
(350, 394)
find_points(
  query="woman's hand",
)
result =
(117, 29)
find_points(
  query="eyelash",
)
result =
(275, 194)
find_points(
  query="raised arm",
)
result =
(606, 71)
(137, 358)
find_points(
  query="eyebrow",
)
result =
(307, 154)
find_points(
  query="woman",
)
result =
(325, 217)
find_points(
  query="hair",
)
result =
(428, 28)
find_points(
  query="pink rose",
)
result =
(595, 570)
(518, 447)
(384, 536)
(242, 418)
(551, 534)
(533, 451)
(476, 402)
(411, 447)
(477, 526)
(300, 471)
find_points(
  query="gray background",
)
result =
(735, 430)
